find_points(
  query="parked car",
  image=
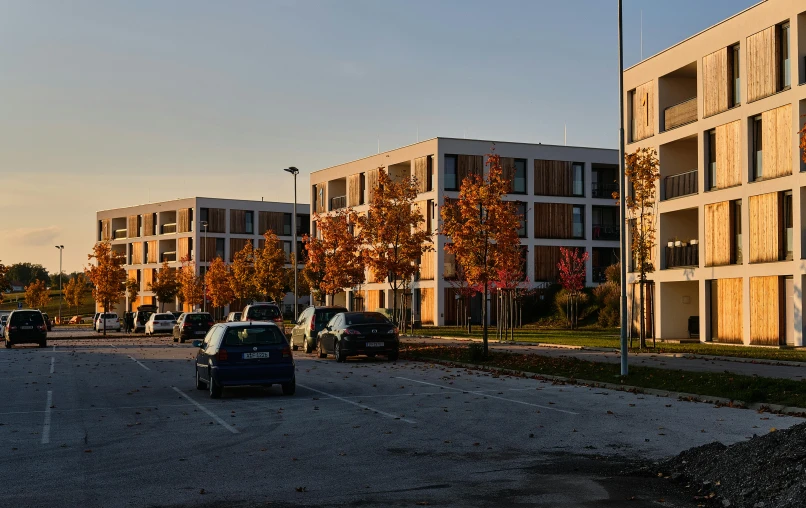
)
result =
(48, 321)
(359, 333)
(95, 320)
(233, 316)
(263, 311)
(140, 320)
(239, 354)
(160, 323)
(3, 321)
(26, 327)
(192, 325)
(108, 321)
(309, 324)
(176, 314)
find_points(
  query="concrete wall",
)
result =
(677, 301)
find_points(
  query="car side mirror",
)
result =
(197, 343)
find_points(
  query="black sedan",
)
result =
(359, 333)
(25, 327)
(192, 325)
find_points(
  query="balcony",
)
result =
(168, 229)
(603, 190)
(680, 114)
(682, 184)
(682, 254)
(119, 234)
(338, 202)
(609, 232)
(170, 257)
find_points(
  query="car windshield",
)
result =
(164, 317)
(198, 318)
(110, 316)
(26, 319)
(365, 318)
(323, 316)
(263, 313)
(253, 335)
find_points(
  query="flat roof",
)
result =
(203, 197)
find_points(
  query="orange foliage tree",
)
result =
(107, 276)
(74, 291)
(218, 284)
(191, 290)
(483, 230)
(242, 273)
(335, 256)
(269, 274)
(4, 284)
(392, 234)
(132, 290)
(36, 295)
(165, 285)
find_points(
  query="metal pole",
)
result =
(204, 279)
(294, 246)
(621, 197)
(61, 249)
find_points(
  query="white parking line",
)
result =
(209, 413)
(490, 396)
(362, 406)
(52, 363)
(140, 364)
(46, 425)
(54, 348)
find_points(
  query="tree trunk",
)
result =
(484, 320)
(103, 318)
(642, 331)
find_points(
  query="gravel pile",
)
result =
(764, 472)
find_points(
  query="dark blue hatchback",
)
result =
(244, 353)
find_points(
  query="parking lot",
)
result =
(118, 422)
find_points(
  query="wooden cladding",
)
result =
(355, 194)
(716, 81)
(553, 220)
(718, 234)
(765, 310)
(467, 165)
(643, 111)
(728, 155)
(508, 170)
(372, 299)
(762, 64)
(270, 221)
(151, 249)
(319, 198)
(427, 306)
(726, 319)
(236, 245)
(765, 230)
(149, 224)
(106, 230)
(148, 278)
(132, 231)
(207, 249)
(777, 141)
(137, 253)
(237, 222)
(183, 248)
(423, 169)
(546, 259)
(216, 220)
(183, 220)
(552, 178)
(680, 114)
(427, 262)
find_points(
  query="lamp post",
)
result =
(621, 197)
(204, 281)
(294, 171)
(61, 249)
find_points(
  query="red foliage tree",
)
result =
(572, 278)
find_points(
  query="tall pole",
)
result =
(294, 245)
(621, 197)
(61, 249)
(204, 279)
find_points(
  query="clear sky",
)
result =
(111, 103)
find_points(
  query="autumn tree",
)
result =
(572, 279)
(392, 233)
(191, 290)
(242, 273)
(36, 295)
(132, 290)
(165, 286)
(5, 285)
(642, 170)
(483, 230)
(218, 284)
(269, 274)
(335, 256)
(74, 292)
(107, 276)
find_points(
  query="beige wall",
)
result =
(677, 301)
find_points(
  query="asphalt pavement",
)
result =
(118, 422)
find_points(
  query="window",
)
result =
(286, 224)
(786, 250)
(711, 183)
(382, 299)
(578, 176)
(578, 230)
(303, 224)
(249, 219)
(784, 80)
(204, 213)
(450, 173)
(735, 85)
(429, 216)
(524, 251)
(219, 248)
(736, 220)
(429, 165)
(758, 159)
(287, 250)
(520, 209)
(519, 179)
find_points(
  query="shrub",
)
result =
(476, 351)
(583, 305)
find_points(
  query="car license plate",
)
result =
(374, 344)
(264, 354)
(26, 328)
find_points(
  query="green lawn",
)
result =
(747, 389)
(609, 338)
(87, 306)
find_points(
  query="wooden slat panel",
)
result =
(427, 271)
(553, 220)
(762, 66)
(319, 198)
(237, 221)
(148, 224)
(644, 111)
(427, 306)
(372, 183)
(546, 259)
(764, 228)
(183, 220)
(449, 306)
(680, 114)
(777, 141)
(270, 221)
(106, 229)
(216, 220)
(148, 278)
(717, 234)
(132, 231)
(421, 173)
(729, 311)
(206, 254)
(715, 82)
(237, 244)
(553, 178)
(182, 248)
(765, 312)
(508, 170)
(371, 299)
(137, 253)
(152, 252)
(469, 165)
(354, 190)
(728, 155)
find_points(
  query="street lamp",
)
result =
(204, 279)
(294, 171)
(621, 196)
(61, 249)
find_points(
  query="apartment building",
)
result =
(723, 109)
(148, 235)
(564, 194)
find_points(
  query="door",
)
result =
(789, 311)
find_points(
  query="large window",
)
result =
(204, 214)
(784, 79)
(758, 149)
(219, 248)
(520, 209)
(578, 230)
(736, 220)
(450, 173)
(711, 183)
(578, 176)
(519, 180)
(249, 227)
(735, 81)
(286, 224)
(787, 224)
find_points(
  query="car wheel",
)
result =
(290, 388)
(338, 352)
(43, 343)
(199, 383)
(322, 353)
(307, 346)
(181, 340)
(370, 355)
(393, 356)
(215, 388)
(293, 346)
(8, 344)
(174, 339)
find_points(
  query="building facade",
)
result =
(148, 235)
(563, 193)
(723, 109)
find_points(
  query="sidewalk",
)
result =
(670, 361)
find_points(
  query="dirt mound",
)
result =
(764, 472)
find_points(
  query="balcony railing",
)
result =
(605, 232)
(680, 185)
(603, 190)
(118, 234)
(337, 202)
(169, 257)
(682, 254)
(168, 229)
(680, 114)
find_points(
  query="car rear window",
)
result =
(253, 336)
(324, 316)
(198, 318)
(263, 313)
(27, 319)
(110, 316)
(366, 318)
(164, 317)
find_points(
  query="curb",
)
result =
(690, 397)
(101, 337)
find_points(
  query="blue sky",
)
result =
(115, 103)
